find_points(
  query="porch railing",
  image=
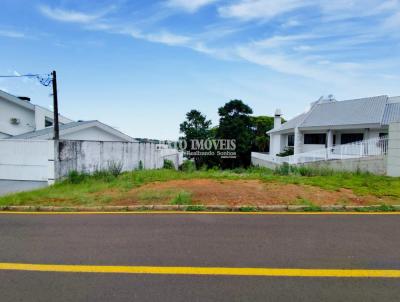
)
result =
(364, 148)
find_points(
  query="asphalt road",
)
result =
(189, 240)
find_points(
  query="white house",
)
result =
(20, 119)
(329, 122)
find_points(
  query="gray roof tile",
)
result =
(370, 110)
(391, 114)
(352, 112)
(292, 123)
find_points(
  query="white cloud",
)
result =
(281, 63)
(259, 9)
(69, 15)
(331, 10)
(393, 22)
(322, 50)
(94, 22)
(278, 41)
(302, 48)
(189, 5)
(163, 37)
(291, 23)
(11, 33)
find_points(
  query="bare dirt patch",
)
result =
(240, 192)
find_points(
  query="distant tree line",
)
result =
(235, 122)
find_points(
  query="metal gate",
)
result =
(26, 159)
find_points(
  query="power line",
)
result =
(19, 75)
(44, 79)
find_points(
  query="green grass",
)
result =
(195, 208)
(381, 208)
(103, 188)
(182, 198)
(247, 209)
(156, 196)
(310, 207)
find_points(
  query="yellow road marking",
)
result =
(215, 271)
(194, 212)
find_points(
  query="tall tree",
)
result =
(260, 126)
(235, 123)
(196, 126)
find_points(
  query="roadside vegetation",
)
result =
(143, 186)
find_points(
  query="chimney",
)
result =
(24, 98)
(277, 118)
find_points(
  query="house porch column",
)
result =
(298, 141)
(329, 142)
(329, 139)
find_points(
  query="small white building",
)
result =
(329, 122)
(20, 119)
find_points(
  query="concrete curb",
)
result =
(210, 208)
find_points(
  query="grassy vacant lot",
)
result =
(254, 186)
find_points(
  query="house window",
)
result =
(48, 123)
(315, 139)
(348, 138)
(382, 134)
(290, 140)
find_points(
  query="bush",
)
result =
(312, 171)
(104, 175)
(115, 168)
(168, 164)
(203, 168)
(239, 170)
(283, 169)
(188, 166)
(140, 166)
(286, 169)
(286, 152)
(74, 177)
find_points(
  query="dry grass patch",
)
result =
(240, 192)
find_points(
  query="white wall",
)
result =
(10, 110)
(275, 144)
(26, 160)
(393, 161)
(89, 156)
(30, 119)
(41, 114)
(372, 164)
(36, 160)
(311, 147)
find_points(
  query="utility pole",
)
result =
(55, 106)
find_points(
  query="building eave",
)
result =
(343, 127)
(13, 99)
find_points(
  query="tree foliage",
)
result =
(235, 123)
(196, 126)
(260, 126)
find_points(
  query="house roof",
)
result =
(377, 110)
(72, 127)
(391, 114)
(28, 105)
(292, 123)
(16, 100)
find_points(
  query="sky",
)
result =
(139, 66)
